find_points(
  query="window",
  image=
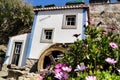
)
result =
(47, 35)
(69, 21)
(16, 53)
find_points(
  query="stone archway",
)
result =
(51, 52)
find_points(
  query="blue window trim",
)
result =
(9, 42)
(31, 35)
(84, 23)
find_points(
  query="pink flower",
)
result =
(41, 78)
(104, 31)
(113, 28)
(91, 78)
(57, 71)
(59, 75)
(65, 76)
(61, 71)
(110, 60)
(113, 45)
(47, 68)
(42, 73)
(80, 68)
(60, 65)
(67, 69)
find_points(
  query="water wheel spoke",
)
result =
(52, 59)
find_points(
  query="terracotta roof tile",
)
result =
(62, 7)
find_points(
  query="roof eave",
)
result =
(81, 6)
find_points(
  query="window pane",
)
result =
(50, 33)
(72, 23)
(68, 23)
(17, 47)
(73, 19)
(68, 19)
(49, 37)
(47, 33)
(46, 37)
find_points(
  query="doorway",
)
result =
(16, 53)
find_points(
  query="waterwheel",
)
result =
(50, 56)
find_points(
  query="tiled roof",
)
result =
(80, 6)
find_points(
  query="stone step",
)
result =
(3, 73)
(2, 78)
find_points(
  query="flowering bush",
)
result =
(94, 58)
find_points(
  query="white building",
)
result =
(52, 27)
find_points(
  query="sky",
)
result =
(56, 2)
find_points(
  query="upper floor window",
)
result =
(47, 35)
(70, 21)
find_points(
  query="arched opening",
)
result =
(50, 56)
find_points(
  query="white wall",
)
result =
(54, 19)
(19, 38)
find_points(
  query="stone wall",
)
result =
(105, 15)
(31, 65)
(13, 72)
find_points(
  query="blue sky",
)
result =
(56, 2)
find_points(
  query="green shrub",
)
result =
(94, 58)
(2, 54)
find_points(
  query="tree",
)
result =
(15, 18)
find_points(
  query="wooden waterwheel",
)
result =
(50, 56)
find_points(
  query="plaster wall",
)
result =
(54, 20)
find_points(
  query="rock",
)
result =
(14, 67)
(2, 78)
(4, 67)
(30, 76)
(21, 78)
(3, 73)
(27, 69)
(3, 48)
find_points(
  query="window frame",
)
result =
(69, 26)
(43, 36)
